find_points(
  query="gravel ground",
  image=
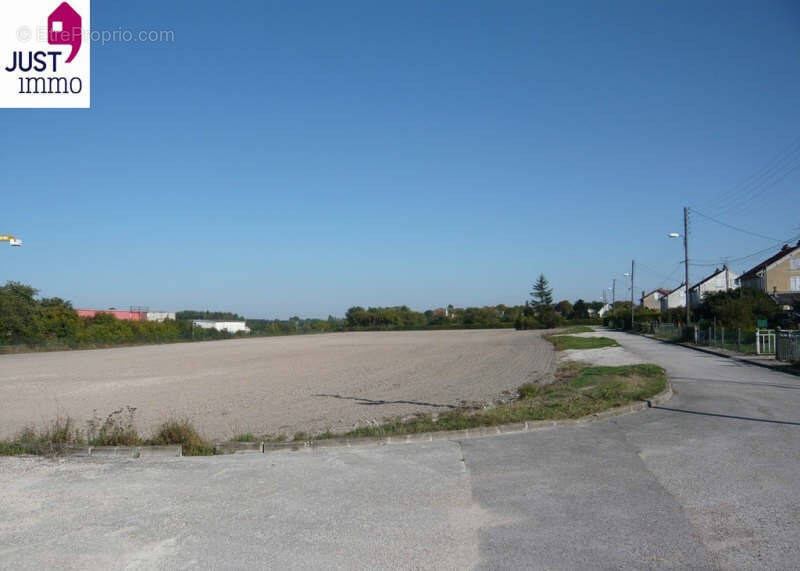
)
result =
(271, 385)
(605, 356)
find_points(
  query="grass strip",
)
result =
(577, 392)
(564, 342)
(576, 329)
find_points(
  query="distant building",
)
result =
(228, 326)
(134, 314)
(606, 309)
(675, 298)
(721, 280)
(160, 316)
(119, 314)
(652, 300)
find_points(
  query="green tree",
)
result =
(581, 309)
(542, 294)
(565, 309)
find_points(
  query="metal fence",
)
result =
(787, 346)
(738, 340)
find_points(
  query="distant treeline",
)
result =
(26, 319)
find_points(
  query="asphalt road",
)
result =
(709, 480)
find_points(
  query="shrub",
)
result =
(184, 433)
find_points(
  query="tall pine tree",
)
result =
(542, 294)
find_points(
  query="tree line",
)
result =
(26, 319)
(539, 312)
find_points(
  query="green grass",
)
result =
(577, 392)
(576, 329)
(246, 437)
(564, 342)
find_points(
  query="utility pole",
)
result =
(613, 292)
(633, 268)
(686, 260)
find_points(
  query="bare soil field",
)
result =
(273, 385)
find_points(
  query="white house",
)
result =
(229, 326)
(603, 311)
(722, 279)
(675, 298)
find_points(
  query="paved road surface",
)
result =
(708, 481)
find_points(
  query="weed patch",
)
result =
(182, 432)
(116, 429)
(577, 392)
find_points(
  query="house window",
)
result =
(796, 283)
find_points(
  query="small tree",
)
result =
(541, 306)
(542, 294)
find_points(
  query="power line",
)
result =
(777, 167)
(665, 277)
(743, 258)
(732, 227)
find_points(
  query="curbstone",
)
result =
(169, 451)
(239, 447)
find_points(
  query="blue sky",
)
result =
(283, 158)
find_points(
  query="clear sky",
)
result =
(296, 157)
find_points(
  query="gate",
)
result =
(765, 341)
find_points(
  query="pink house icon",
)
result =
(64, 28)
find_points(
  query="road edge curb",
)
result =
(471, 433)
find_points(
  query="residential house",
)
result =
(605, 310)
(723, 279)
(674, 298)
(652, 300)
(779, 275)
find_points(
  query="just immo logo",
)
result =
(44, 60)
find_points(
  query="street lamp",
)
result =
(15, 242)
(633, 304)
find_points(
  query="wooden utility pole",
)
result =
(633, 292)
(613, 293)
(686, 260)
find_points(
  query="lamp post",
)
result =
(633, 268)
(685, 259)
(15, 242)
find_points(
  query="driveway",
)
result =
(708, 480)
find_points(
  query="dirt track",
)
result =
(271, 385)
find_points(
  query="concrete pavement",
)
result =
(708, 480)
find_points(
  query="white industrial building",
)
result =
(228, 326)
(160, 316)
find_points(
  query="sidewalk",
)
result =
(767, 361)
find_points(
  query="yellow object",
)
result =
(11, 240)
